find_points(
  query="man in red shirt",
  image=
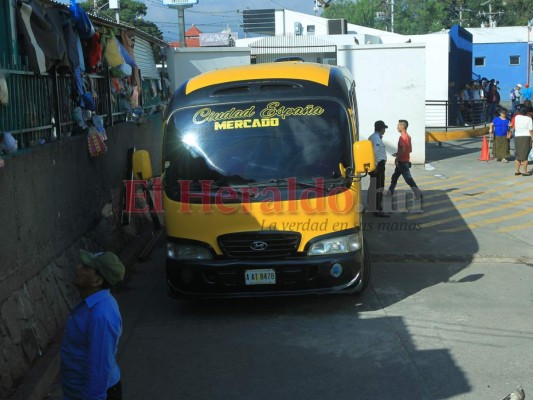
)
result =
(402, 161)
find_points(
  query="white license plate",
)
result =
(260, 277)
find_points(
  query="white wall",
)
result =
(391, 86)
(285, 20)
(185, 63)
(437, 74)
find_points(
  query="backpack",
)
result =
(512, 95)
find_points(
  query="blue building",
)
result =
(504, 54)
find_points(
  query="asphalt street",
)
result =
(447, 314)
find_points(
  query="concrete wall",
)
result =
(390, 84)
(437, 75)
(185, 63)
(51, 196)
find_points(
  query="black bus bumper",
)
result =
(293, 276)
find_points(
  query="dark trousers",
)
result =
(403, 169)
(375, 190)
(115, 392)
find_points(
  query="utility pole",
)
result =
(392, 16)
(529, 62)
(181, 5)
(491, 14)
(388, 14)
(181, 24)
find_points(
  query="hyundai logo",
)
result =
(258, 246)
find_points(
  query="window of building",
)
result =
(479, 61)
(514, 60)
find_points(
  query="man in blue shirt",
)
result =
(89, 369)
(527, 93)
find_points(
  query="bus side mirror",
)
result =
(363, 153)
(142, 166)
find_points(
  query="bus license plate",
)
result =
(260, 277)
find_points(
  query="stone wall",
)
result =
(56, 200)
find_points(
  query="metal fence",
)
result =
(40, 107)
(308, 48)
(443, 114)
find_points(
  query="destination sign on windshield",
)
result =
(269, 116)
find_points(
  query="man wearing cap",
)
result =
(89, 368)
(377, 177)
(516, 94)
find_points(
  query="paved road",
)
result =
(447, 316)
(422, 331)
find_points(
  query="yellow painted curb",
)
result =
(454, 135)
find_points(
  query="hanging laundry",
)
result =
(4, 94)
(95, 52)
(39, 39)
(112, 53)
(82, 23)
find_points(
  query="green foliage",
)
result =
(131, 12)
(426, 16)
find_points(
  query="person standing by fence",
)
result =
(514, 96)
(493, 101)
(527, 93)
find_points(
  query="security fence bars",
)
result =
(40, 107)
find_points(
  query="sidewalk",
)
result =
(472, 211)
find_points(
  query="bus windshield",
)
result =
(247, 143)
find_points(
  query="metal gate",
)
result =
(308, 48)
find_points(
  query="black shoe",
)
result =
(381, 214)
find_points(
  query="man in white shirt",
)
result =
(515, 97)
(377, 177)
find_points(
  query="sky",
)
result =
(216, 15)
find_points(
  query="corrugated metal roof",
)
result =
(504, 34)
(144, 58)
(113, 24)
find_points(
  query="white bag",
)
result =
(530, 156)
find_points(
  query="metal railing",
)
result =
(443, 114)
(40, 107)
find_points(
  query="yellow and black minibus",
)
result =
(261, 183)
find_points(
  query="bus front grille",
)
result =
(259, 244)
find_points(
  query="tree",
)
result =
(426, 16)
(131, 12)
(362, 12)
(517, 12)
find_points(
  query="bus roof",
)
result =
(318, 73)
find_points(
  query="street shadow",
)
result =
(423, 243)
(436, 151)
(299, 357)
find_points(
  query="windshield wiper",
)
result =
(326, 187)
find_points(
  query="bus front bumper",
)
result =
(338, 273)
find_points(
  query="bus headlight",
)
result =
(341, 244)
(188, 251)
